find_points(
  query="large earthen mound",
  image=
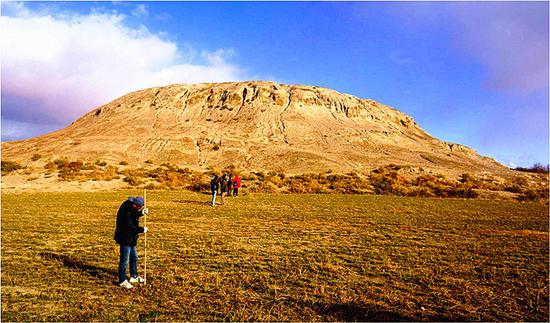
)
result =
(252, 125)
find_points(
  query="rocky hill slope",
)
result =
(252, 125)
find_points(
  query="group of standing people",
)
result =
(228, 186)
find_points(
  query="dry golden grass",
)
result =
(270, 257)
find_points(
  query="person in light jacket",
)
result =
(214, 185)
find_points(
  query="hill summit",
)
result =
(252, 125)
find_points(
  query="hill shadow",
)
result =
(71, 263)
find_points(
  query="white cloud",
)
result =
(140, 11)
(67, 65)
(218, 57)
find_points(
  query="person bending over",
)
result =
(126, 235)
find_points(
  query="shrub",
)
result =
(50, 165)
(36, 157)
(88, 166)
(170, 166)
(268, 187)
(516, 185)
(536, 168)
(472, 181)
(230, 169)
(213, 170)
(297, 187)
(199, 186)
(75, 165)
(388, 182)
(259, 175)
(10, 166)
(123, 163)
(275, 180)
(536, 195)
(514, 188)
(61, 162)
(110, 173)
(133, 180)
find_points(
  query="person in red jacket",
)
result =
(236, 185)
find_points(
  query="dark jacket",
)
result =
(214, 184)
(127, 224)
(229, 185)
(223, 184)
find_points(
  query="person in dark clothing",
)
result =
(223, 187)
(126, 235)
(229, 185)
(214, 185)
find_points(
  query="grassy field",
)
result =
(269, 257)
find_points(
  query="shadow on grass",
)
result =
(194, 202)
(71, 263)
(352, 312)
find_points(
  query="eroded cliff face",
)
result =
(253, 125)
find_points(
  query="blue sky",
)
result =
(474, 73)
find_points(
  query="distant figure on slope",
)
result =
(236, 185)
(214, 185)
(223, 187)
(126, 235)
(229, 185)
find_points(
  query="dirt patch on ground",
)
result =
(20, 183)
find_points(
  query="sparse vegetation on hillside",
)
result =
(388, 180)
